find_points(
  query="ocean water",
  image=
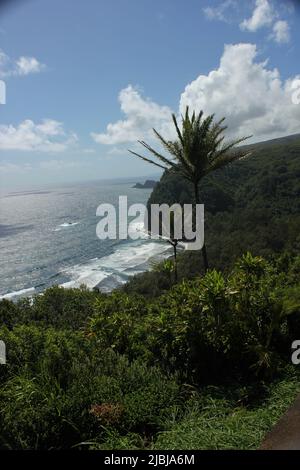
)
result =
(48, 237)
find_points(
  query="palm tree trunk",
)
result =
(175, 260)
(204, 256)
(204, 252)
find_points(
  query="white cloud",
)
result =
(219, 12)
(27, 65)
(281, 32)
(262, 15)
(141, 114)
(49, 136)
(254, 98)
(20, 67)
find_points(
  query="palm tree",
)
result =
(199, 149)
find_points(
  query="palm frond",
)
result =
(227, 148)
(177, 129)
(168, 145)
(147, 160)
(154, 152)
(225, 160)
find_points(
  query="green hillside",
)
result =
(252, 205)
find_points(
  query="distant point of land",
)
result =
(149, 184)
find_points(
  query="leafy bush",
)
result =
(209, 328)
(56, 379)
(57, 307)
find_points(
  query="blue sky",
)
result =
(86, 80)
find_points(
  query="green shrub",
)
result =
(215, 327)
(115, 321)
(63, 308)
(55, 378)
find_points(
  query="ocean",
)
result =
(48, 237)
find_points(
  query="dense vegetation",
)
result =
(204, 363)
(119, 371)
(251, 205)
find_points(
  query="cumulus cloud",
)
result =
(141, 114)
(253, 97)
(20, 67)
(27, 65)
(219, 12)
(262, 15)
(281, 32)
(265, 15)
(48, 136)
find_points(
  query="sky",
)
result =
(84, 81)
